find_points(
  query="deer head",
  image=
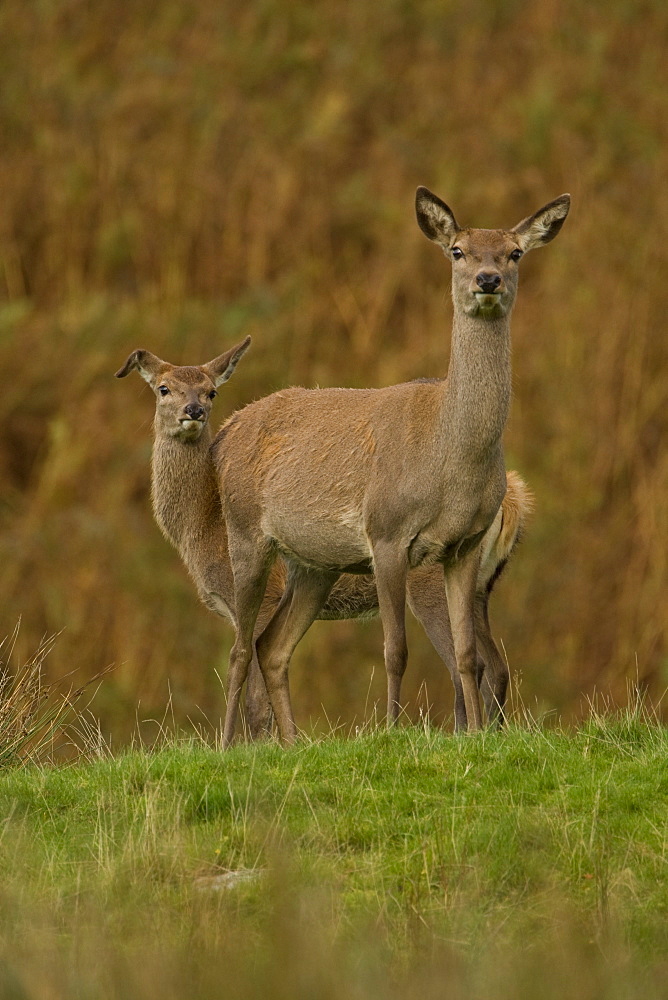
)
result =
(184, 394)
(485, 261)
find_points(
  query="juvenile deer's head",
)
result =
(484, 261)
(184, 394)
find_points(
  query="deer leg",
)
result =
(305, 594)
(250, 565)
(494, 684)
(425, 590)
(259, 715)
(460, 584)
(390, 567)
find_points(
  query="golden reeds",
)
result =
(176, 177)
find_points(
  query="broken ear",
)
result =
(147, 365)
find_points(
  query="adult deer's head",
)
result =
(485, 261)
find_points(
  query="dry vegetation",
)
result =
(175, 176)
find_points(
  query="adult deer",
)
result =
(187, 508)
(355, 480)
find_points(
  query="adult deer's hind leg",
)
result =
(494, 683)
(250, 566)
(305, 594)
(460, 586)
(259, 715)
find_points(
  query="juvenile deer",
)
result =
(355, 480)
(187, 508)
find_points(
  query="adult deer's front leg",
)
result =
(425, 589)
(460, 586)
(391, 568)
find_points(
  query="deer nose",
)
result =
(488, 283)
(194, 411)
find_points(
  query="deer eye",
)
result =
(163, 390)
(213, 394)
(516, 254)
(457, 253)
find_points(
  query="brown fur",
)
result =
(391, 478)
(187, 508)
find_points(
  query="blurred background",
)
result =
(175, 176)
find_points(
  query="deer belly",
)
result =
(325, 543)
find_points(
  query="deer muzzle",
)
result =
(193, 411)
(488, 282)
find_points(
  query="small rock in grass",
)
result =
(227, 880)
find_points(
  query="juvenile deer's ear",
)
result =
(435, 219)
(541, 227)
(146, 364)
(222, 367)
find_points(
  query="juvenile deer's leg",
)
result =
(305, 594)
(251, 565)
(425, 589)
(460, 584)
(391, 568)
(494, 682)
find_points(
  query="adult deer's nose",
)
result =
(194, 411)
(488, 283)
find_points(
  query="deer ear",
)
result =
(541, 227)
(146, 364)
(221, 369)
(435, 219)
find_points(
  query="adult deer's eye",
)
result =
(457, 253)
(163, 390)
(213, 394)
(516, 254)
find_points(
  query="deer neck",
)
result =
(476, 393)
(185, 497)
(187, 507)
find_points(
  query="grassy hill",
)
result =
(402, 864)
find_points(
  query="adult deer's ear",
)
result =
(541, 227)
(147, 364)
(221, 368)
(435, 219)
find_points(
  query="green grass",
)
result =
(393, 864)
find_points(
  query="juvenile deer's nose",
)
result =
(488, 283)
(194, 411)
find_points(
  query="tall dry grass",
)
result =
(176, 176)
